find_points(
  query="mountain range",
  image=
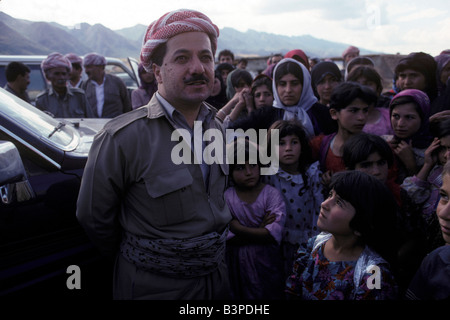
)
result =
(23, 37)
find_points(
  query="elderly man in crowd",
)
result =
(165, 222)
(60, 100)
(106, 93)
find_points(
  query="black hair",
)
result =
(441, 128)
(359, 61)
(424, 64)
(242, 150)
(14, 69)
(359, 147)
(375, 210)
(76, 65)
(346, 92)
(367, 72)
(294, 127)
(288, 67)
(240, 74)
(226, 52)
(262, 80)
(224, 66)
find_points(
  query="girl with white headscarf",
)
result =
(314, 117)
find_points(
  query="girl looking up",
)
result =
(350, 259)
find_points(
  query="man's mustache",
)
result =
(196, 78)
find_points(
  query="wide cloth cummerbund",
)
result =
(177, 258)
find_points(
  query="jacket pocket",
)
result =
(171, 197)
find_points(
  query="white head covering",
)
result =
(307, 99)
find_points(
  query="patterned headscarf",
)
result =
(94, 59)
(73, 58)
(56, 60)
(422, 138)
(174, 23)
(307, 99)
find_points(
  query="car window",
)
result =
(37, 81)
(122, 74)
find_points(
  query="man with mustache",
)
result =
(60, 100)
(165, 224)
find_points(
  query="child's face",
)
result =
(263, 97)
(353, 117)
(246, 175)
(326, 86)
(405, 120)
(335, 215)
(443, 208)
(375, 166)
(289, 89)
(289, 150)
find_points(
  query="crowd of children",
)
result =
(358, 208)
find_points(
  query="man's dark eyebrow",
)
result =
(181, 51)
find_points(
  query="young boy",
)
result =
(349, 107)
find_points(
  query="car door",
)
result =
(135, 68)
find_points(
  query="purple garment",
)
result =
(255, 269)
(425, 193)
(382, 126)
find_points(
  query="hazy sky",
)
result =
(389, 26)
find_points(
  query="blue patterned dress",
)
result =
(314, 277)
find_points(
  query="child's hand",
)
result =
(431, 157)
(405, 152)
(267, 219)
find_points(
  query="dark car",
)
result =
(43, 250)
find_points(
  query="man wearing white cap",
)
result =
(59, 100)
(106, 93)
(165, 222)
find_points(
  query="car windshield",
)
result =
(37, 122)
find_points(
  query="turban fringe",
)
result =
(172, 24)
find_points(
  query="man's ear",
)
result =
(157, 72)
(334, 113)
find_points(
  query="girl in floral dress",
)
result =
(349, 259)
(298, 180)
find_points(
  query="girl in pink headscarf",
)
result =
(410, 112)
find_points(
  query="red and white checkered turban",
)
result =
(172, 24)
(55, 60)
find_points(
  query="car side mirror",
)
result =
(14, 185)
